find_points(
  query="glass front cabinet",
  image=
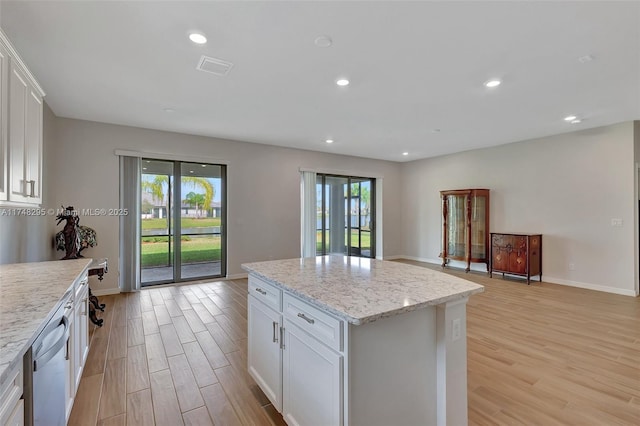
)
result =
(465, 226)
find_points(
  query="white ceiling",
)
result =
(414, 67)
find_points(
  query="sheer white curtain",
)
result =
(309, 214)
(130, 224)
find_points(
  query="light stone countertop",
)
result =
(361, 290)
(30, 293)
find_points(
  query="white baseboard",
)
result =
(589, 286)
(105, 291)
(545, 278)
(237, 276)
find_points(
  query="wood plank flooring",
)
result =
(173, 355)
(542, 354)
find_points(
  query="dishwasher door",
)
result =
(49, 353)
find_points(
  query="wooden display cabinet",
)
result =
(465, 226)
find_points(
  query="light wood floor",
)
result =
(542, 354)
(171, 356)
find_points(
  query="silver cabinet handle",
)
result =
(281, 337)
(68, 305)
(261, 291)
(306, 318)
(275, 337)
(33, 184)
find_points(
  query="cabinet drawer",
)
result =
(11, 393)
(265, 292)
(320, 325)
(16, 418)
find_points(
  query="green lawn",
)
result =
(193, 250)
(366, 239)
(187, 222)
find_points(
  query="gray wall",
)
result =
(263, 187)
(567, 187)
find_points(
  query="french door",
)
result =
(345, 221)
(182, 222)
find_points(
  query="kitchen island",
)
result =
(338, 340)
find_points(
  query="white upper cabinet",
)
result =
(4, 100)
(21, 131)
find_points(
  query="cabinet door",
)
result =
(479, 233)
(25, 139)
(33, 147)
(264, 353)
(456, 227)
(312, 380)
(16, 418)
(500, 247)
(518, 255)
(80, 348)
(4, 103)
(18, 91)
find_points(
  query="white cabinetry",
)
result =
(294, 356)
(265, 357)
(4, 125)
(20, 132)
(11, 402)
(312, 380)
(80, 330)
(78, 344)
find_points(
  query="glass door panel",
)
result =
(200, 221)
(345, 216)
(478, 222)
(336, 205)
(457, 231)
(197, 218)
(156, 245)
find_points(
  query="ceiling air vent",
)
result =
(214, 65)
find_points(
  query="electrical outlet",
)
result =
(456, 329)
(572, 266)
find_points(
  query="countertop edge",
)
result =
(6, 368)
(366, 319)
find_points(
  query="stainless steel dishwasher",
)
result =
(50, 354)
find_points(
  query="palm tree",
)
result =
(157, 186)
(193, 199)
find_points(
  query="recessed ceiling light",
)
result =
(190, 171)
(405, 153)
(576, 121)
(492, 83)
(570, 118)
(204, 165)
(169, 110)
(198, 38)
(144, 168)
(342, 82)
(323, 41)
(329, 141)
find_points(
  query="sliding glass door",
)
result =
(345, 215)
(183, 218)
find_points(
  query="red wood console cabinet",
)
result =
(516, 254)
